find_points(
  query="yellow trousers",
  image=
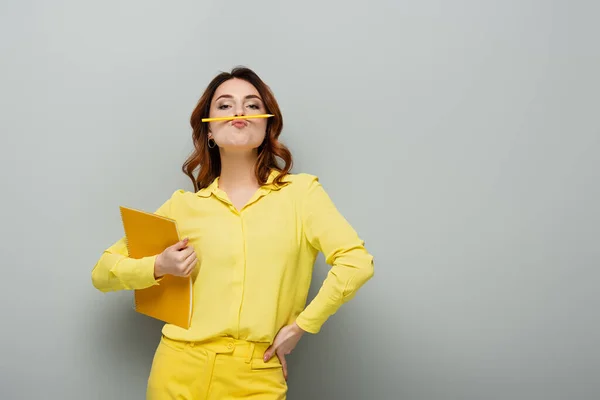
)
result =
(220, 369)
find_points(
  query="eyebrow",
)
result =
(250, 96)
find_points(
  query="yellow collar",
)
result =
(213, 188)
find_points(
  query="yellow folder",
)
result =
(147, 235)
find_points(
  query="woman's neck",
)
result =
(237, 170)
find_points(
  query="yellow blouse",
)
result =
(255, 264)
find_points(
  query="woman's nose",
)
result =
(239, 110)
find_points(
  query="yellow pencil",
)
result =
(240, 117)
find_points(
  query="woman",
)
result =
(252, 232)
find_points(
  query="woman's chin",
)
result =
(239, 147)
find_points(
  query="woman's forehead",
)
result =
(236, 88)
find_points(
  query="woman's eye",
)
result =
(223, 106)
(254, 106)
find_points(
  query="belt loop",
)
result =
(250, 353)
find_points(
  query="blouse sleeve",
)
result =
(115, 270)
(351, 265)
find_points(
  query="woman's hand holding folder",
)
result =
(178, 260)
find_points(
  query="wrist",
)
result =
(297, 328)
(158, 272)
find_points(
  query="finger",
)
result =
(181, 244)
(183, 255)
(188, 257)
(190, 267)
(186, 252)
(269, 353)
(188, 262)
(283, 362)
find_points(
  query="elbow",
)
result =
(96, 281)
(359, 279)
(371, 271)
(99, 280)
(367, 270)
(366, 273)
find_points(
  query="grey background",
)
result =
(459, 138)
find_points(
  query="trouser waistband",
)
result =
(234, 347)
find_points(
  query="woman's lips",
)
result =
(239, 123)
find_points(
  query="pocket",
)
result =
(259, 364)
(269, 377)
